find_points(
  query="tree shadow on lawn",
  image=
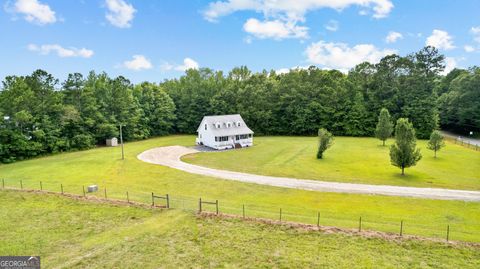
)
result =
(411, 177)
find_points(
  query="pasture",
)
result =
(356, 160)
(69, 233)
(103, 166)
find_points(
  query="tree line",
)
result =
(39, 115)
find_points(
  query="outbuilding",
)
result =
(112, 142)
(224, 132)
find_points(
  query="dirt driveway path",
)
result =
(170, 156)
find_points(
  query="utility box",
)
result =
(112, 142)
(92, 188)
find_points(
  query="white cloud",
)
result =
(469, 48)
(440, 40)
(139, 62)
(275, 29)
(393, 37)
(282, 16)
(341, 56)
(292, 9)
(61, 51)
(188, 63)
(332, 25)
(450, 64)
(33, 11)
(120, 13)
(475, 31)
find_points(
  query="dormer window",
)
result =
(229, 124)
(239, 124)
(205, 126)
(217, 125)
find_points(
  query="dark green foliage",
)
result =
(404, 153)
(158, 109)
(325, 140)
(384, 126)
(460, 104)
(45, 117)
(42, 118)
(436, 142)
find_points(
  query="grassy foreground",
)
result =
(104, 167)
(357, 160)
(70, 233)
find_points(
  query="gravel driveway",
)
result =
(170, 156)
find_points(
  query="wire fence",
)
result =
(463, 142)
(463, 230)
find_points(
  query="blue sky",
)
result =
(155, 40)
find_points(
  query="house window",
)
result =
(249, 135)
(205, 126)
(237, 137)
(222, 138)
(238, 124)
(216, 138)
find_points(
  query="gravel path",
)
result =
(170, 156)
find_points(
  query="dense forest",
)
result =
(39, 115)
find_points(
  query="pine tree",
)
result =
(384, 126)
(404, 153)
(436, 142)
(325, 140)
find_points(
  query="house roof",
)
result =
(211, 121)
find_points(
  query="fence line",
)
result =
(268, 211)
(462, 142)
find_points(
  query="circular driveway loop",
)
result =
(170, 156)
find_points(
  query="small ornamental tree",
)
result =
(325, 140)
(384, 126)
(404, 153)
(436, 142)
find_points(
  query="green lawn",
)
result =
(357, 160)
(70, 233)
(104, 167)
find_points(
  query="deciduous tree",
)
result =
(436, 142)
(384, 126)
(404, 153)
(325, 140)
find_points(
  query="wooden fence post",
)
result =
(105, 192)
(216, 204)
(200, 205)
(21, 184)
(83, 187)
(168, 201)
(61, 187)
(41, 187)
(280, 214)
(360, 224)
(448, 232)
(318, 219)
(401, 228)
(128, 198)
(243, 211)
(153, 200)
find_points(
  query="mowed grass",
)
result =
(70, 233)
(357, 160)
(103, 166)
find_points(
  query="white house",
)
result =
(224, 132)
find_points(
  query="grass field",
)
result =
(70, 233)
(104, 167)
(357, 160)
